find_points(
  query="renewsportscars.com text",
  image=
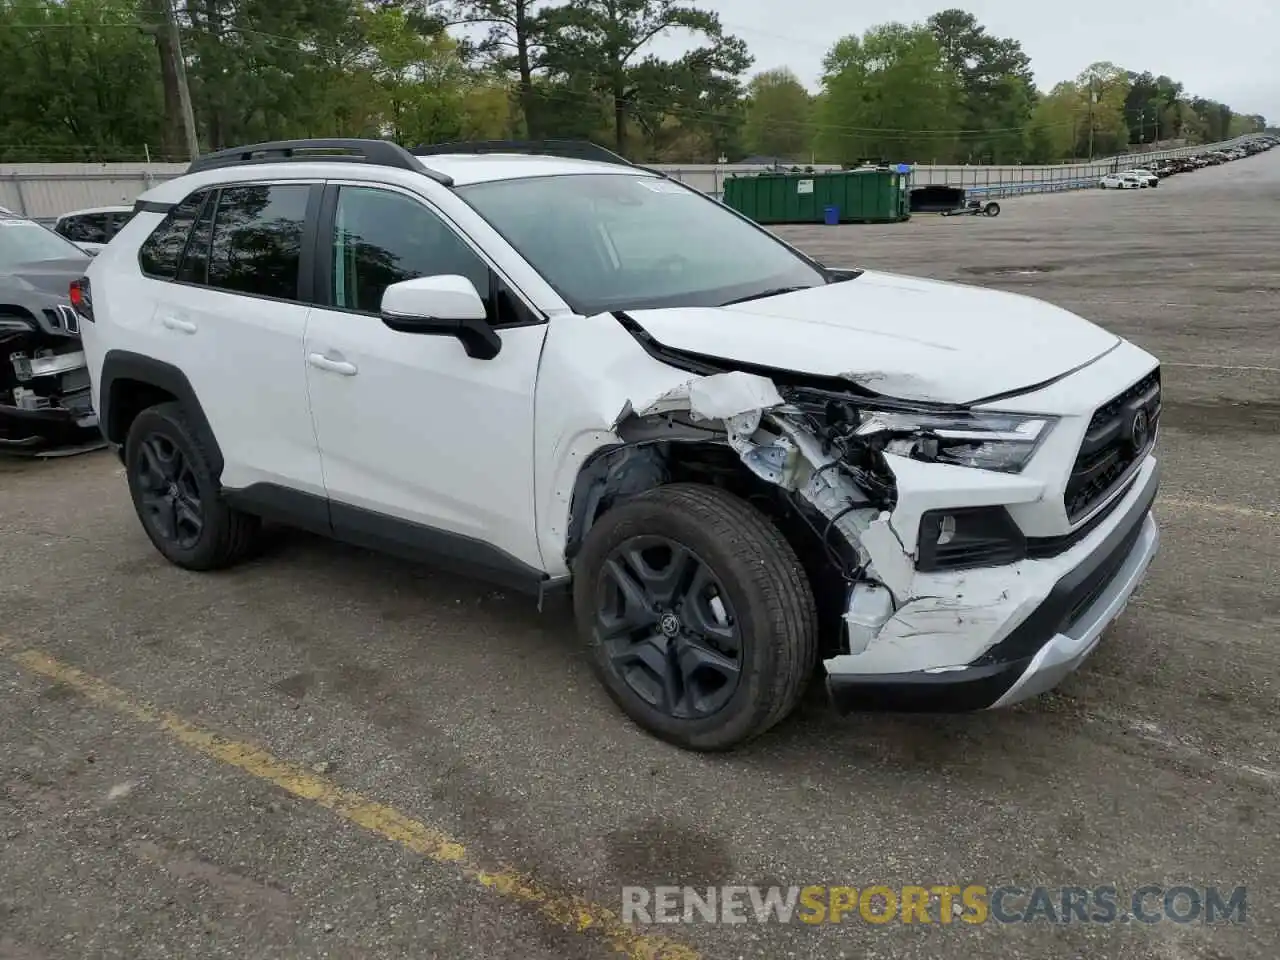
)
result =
(934, 904)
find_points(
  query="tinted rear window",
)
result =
(162, 251)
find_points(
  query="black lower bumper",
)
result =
(22, 429)
(984, 681)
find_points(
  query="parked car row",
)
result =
(1162, 169)
(1158, 170)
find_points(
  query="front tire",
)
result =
(177, 497)
(699, 618)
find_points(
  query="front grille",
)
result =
(1120, 434)
(62, 318)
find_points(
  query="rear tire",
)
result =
(177, 497)
(766, 624)
(992, 209)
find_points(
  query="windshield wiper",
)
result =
(774, 292)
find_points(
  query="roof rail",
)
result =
(568, 149)
(383, 153)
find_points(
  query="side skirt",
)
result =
(382, 533)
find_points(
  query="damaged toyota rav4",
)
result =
(554, 369)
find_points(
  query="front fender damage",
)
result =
(894, 620)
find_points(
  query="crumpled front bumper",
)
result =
(1040, 642)
(48, 402)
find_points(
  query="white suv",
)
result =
(551, 370)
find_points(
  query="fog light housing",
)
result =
(968, 537)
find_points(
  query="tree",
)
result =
(1055, 125)
(997, 88)
(513, 42)
(421, 79)
(1104, 87)
(888, 95)
(606, 38)
(81, 82)
(778, 120)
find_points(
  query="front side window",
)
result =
(257, 239)
(617, 241)
(160, 255)
(381, 237)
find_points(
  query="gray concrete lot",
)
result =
(518, 802)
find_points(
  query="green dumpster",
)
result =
(860, 196)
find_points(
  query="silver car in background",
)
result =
(44, 387)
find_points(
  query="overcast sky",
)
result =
(1225, 50)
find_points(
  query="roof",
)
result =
(117, 208)
(467, 168)
(462, 168)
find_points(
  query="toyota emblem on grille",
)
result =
(1140, 430)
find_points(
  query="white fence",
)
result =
(47, 190)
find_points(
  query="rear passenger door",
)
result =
(230, 315)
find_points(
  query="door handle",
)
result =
(182, 326)
(321, 362)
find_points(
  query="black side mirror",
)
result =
(447, 306)
(479, 339)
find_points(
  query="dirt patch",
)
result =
(1027, 270)
(1223, 416)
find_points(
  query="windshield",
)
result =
(626, 242)
(22, 241)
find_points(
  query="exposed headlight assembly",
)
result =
(987, 441)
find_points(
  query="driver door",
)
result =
(421, 445)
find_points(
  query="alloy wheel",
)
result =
(169, 492)
(667, 627)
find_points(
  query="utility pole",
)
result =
(1093, 98)
(180, 68)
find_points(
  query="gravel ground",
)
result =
(510, 783)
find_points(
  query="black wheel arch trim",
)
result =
(120, 365)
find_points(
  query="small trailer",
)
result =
(974, 207)
(951, 202)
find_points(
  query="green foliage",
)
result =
(997, 90)
(888, 95)
(779, 116)
(95, 80)
(81, 81)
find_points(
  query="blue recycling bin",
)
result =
(831, 216)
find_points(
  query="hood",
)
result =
(896, 336)
(50, 276)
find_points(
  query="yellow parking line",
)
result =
(565, 910)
